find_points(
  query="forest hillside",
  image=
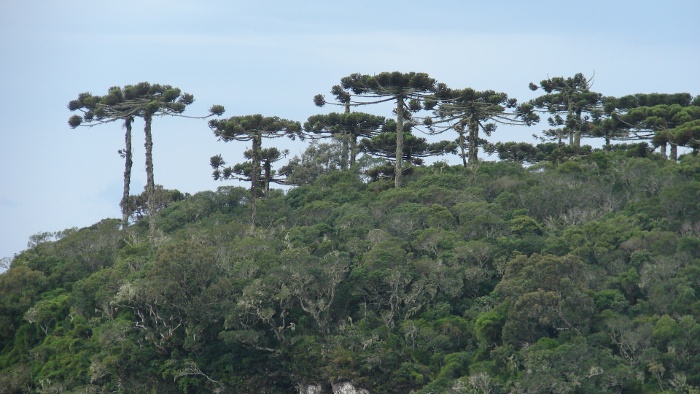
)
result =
(576, 273)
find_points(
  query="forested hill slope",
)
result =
(579, 277)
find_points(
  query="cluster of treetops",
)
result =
(577, 274)
(573, 111)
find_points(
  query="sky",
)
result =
(271, 57)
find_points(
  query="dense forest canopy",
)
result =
(559, 268)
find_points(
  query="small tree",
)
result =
(317, 159)
(138, 204)
(244, 171)
(516, 151)
(414, 150)
(251, 128)
(406, 90)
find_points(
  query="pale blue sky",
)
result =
(271, 57)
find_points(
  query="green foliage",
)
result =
(577, 277)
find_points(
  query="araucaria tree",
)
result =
(572, 105)
(142, 100)
(251, 128)
(468, 111)
(106, 109)
(414, 148)
(406, 90)
(156, 100)
(347, 128)
(244, 171)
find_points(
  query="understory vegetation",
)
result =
(577, 274)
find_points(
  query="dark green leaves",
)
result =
(389, 83)
(243, 128)
(75, 121)
(217, 110)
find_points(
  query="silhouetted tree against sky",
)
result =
(244, 171)
(468, 111)
(143, 100)
(251, 128)
(99, 110)
(571, 104)
(346, 127)
(415, 148)
(406, 90)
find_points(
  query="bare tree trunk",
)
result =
(345, 151)
(267, 178)
(569, 117)
(674, 152)
(473, 141)
(346, 144)
(662, 150)
(353, 149)
(255, 175)
(398, 169)
(150, 182)
(128, 163)
(461, 142)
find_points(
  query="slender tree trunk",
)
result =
(255, 175)
(346, 144)
(345, 151)
(473, 141)
(128, 163)
(267, 178)
(398, 169)
(353, 149)
(577, 132)
(569, 117)
(461, 142)
(674, 152)
(571, 137)
(150, 182)
(662, 150)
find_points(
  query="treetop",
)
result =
(389, 84)
(142, 99)
(348, 122)
(245, 128)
